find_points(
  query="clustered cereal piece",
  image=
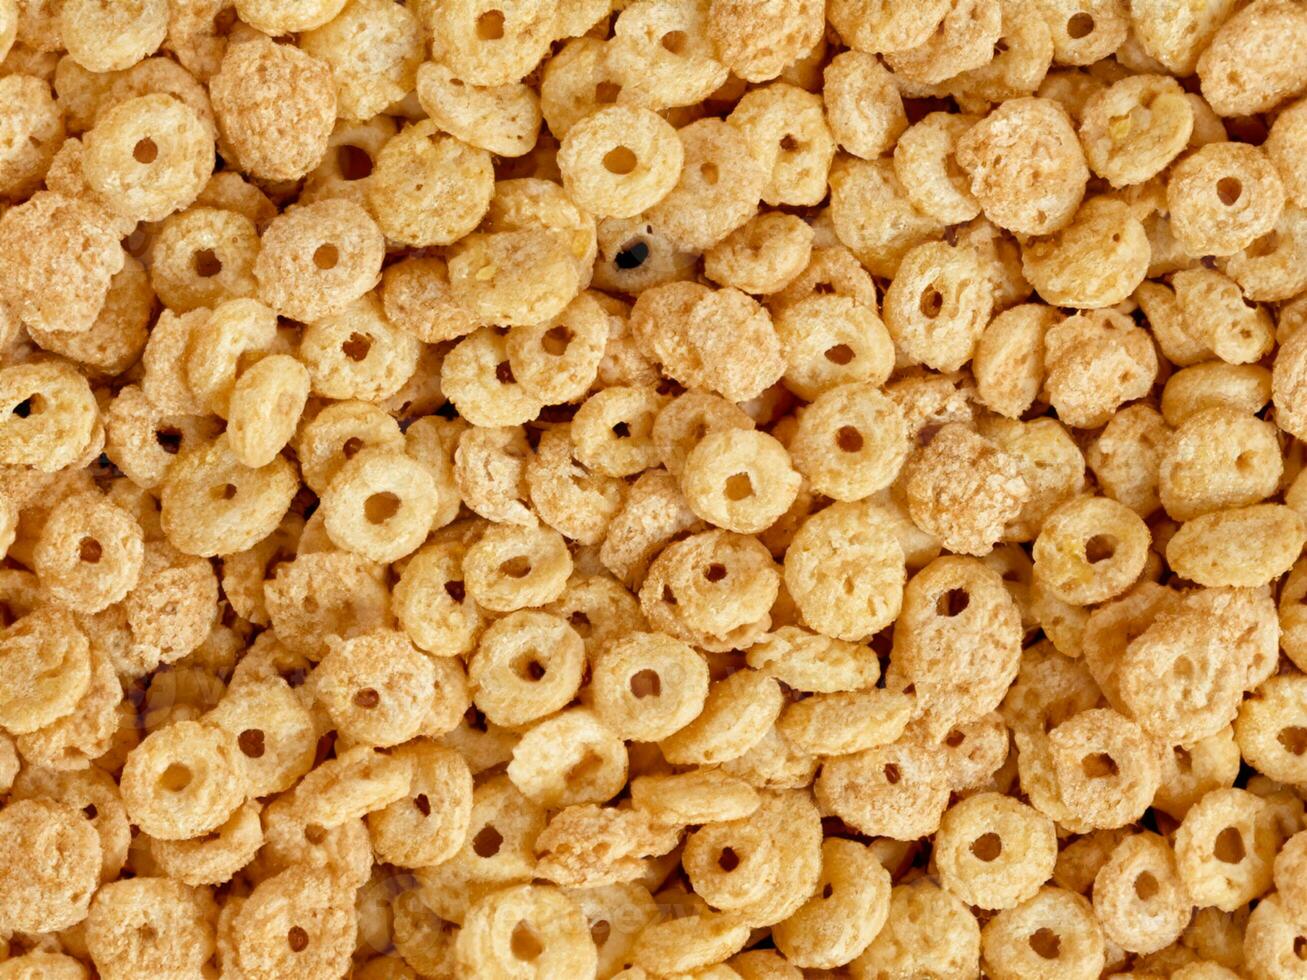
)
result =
(649, 489)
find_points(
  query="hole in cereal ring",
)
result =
(1146, 886)
(606, 93)
(715, 572)
(828, 891)
(169, 440)
(1046, 943)
(622, 430)
(1099, 765)
(954, 738)
(953, 602)
(580, 622)
(455, 591)
(585, 768)
(600, 931)
(1100, 547)
(136, 241)
(206, 263)
(326, 256)
(1244, 461)
(645, 684)
(352, 445)
(524, 944)
(1229, 846)
(1080, 25)
(423, 804)
(145, 151)
(739, 487)
(250, 742)
(932, 301)
(90, 551)
(487, 842)
(367, 698)
(1294, 739)
(619, 160)
(556, 339)
(33, 405)
(892, 774)
(1228, 190)
(518, 567)
(1263, 246)
(176, 777)
(504, 373)
(315, 834)
(728, 860)
(381, 507)
(788, 143)
(1183, 760)
(668, 595)
(353, 162)
(674, 41)
(356, 347)
(1300, 947)
(839, 354)
(987, 847)
(297, 939)
(528, 667)
(225, 492)
(90, 811)
(632, 255)
(224, 20)
(490, 25)
(708, 171)
(848, 439)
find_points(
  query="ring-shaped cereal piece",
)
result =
(46, 660)
(739, 479)
(537, 923)
(183, 781)
(89, 553)
(620, 161)
(380, 504)
(590, 768)
(527, 665)
(52, 862)
(48, 414)
(1090, 549)
(994, 852)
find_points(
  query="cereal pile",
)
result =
(720, 489)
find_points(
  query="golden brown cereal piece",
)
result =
(739, 479)
(430, 824)
(592, 767)
(927, 930)
(1268, 725)
(376, 688)
(1026, 166)
(1225, 848)
(863, 106)
(1218, 458)
(490, 473)
(963, 40)
(317, 259)
(1096, 361)
(872, 215)
(570, 498)
(894, 791)
(1253, 61)
(380, 505)
(1095, 261)
(417, 299)
(1022, 56)
(1132, 130)
(1244, 387)
(937, 305)
(958, 641)
(894, 26)
(1090, 549)
(297, 921)
(52, 865)
(105, 38)
(514, 277)
(50, 415)
(1008, 360)
(216, 859)
(89, 553)
(964, 489)
(325, 594)
(478, 379)
(786, 132)
(275, 106)
(1055, 924)
(63, 255)
(840, 920)
(47, 662)
(31, 132)
(183, 781)
(265, 408)
(502, 119)
(1222, 197)
(274, 732)
(374, 48)
(489, 44)
(924, 160)
(148, 156)
(1176, 33)
(832, 340)
(845, 569)
(738, 712)
(647, 686)
(356, 353)
(845, 722)
(1247, 546)
(1217, 315)
(527, 665)
(660, 55)
(46, 965)
(993, 851)
(1085, 31)
(762, 256)
(757, 42)
(534, 922)
(610, 178)
(149, 926)
(203, 256)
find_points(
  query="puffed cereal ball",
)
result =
(1026, 166)
(1222, 197)
(52, 865)
(318, 258)
(620, 161)
(275, 106)
(104, 37)
(428, 188)
(993, 851)
(739, 479)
